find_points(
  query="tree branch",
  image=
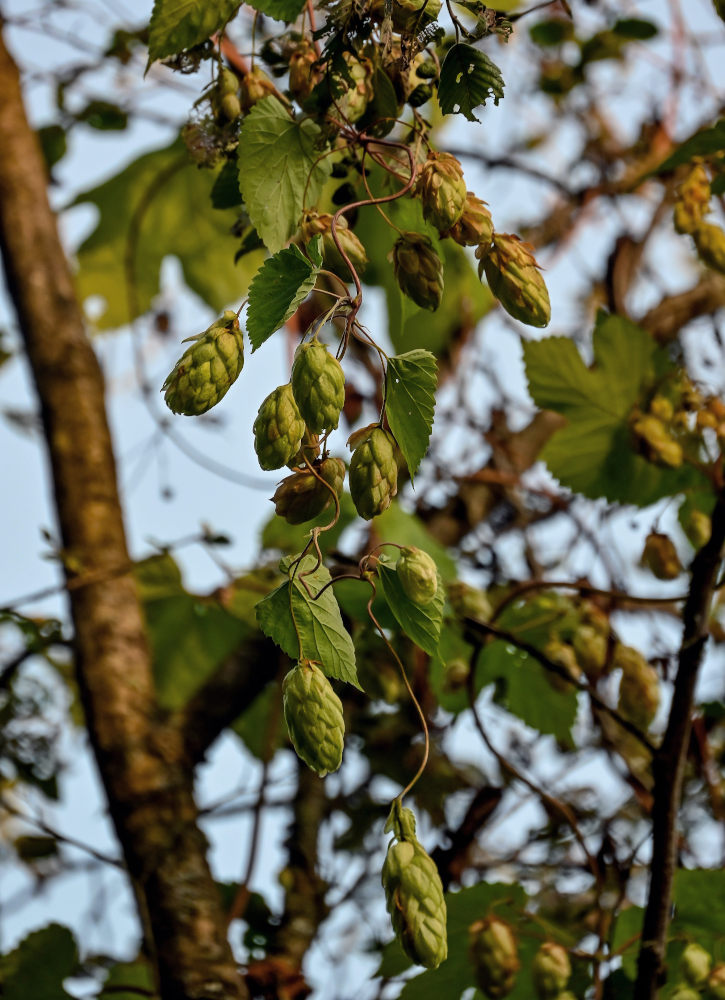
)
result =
(669, 761)
(140, 759)
(665, 320)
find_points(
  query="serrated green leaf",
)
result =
(307, 627)
(179, 24)
(410, 385)
(39, 964)
(593, 454)
(420, 622)
(280, 285)
(280, 10)
(279, 170)
(397, 525)
(468, 78)
(705, 142)
(153, 209)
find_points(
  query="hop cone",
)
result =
(590, 649)
(656, 443)
(695, 964)
(313, 714)
(314, 224)
(475, 226)
(564, 656)
(468, 601)
(660, 556)
(550, 970)
(710, 243)
(356, 88)
(716, 979)
(302, 496)
(255, 86)
(206, 369)
(302, 76)
(413, 893)
(442, 190)
(308, 451)
(418, 270)
(513, 277)
(639, 689)
(684, 992)
(278, 429)
(373, 473)
(494, 955)
(318, 384)
(418, 575)
(226, 99)
(693, 198)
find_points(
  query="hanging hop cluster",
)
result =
(691, 206)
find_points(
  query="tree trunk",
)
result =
(140, 756)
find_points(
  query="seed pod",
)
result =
(373, 473)
(302, 496)
(313, 714)
(303, 78)
(414, 893)
(418, 270)
(693, 198)
(660, 556)
(550, 970)
(716, 979)
(309, 451)
(564, 656)
(255, 86)
(639, 689)
(590, 648)
(695, 964)
(318, 384)
(278, 429)
(710, 242)
(313, 224)
(442, 190)
(418, 575)
(494, 954)
(354, 92)
(206, 370)
(469, 602)
(475, 226)
(514, 278)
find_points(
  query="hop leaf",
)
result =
(468, 79)
(313, 714)
(206, 370)
(278, 429)
(318, 384)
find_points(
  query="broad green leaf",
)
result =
(420, 622)
(225, 190)
(260, 726)
(705, 142)
(280, 10)
(593, 454)
(468, 78)
(410, 385)
(190, 636)
(397, 525)
(137, 977)
(278, 170)
(179, 24)
(37, 967)
(465, 299)
(306, 626)
(282, 282)
(552, 31)
(153, 209)
(381, 113)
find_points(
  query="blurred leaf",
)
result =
(381, 112)
(410, 387)
(278, 170)
(136, 976)
(152, 207)
(225, 189)
(53, 144)
(260, 725)
(397, 525)
(179, 24)
(306, 626)
(705, 142)
(277, 289)
(635, 29)
(420, 622)
(468, 78)
(35, 970)
(104, 116)
(552, 32)
(593, 454)
(281, 10)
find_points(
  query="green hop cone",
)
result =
(303, 76)
(468, 601)
(697, 526)
(563, 655)
(278, 429)
(550, 970)
(639, 689)
(514, 278)
(418, 575)
(314, 224)
(318, 384)
(475, 226)
(418, 270)
(354, 90)
(255, 86)
(313, 714)
(693, 198)
(716, 979)
(590, 649)
(373, 473)
(695, 964)
(206, 370)
(494, 954)
(660, 556)
(302, 496)
(710, 242)
(442, 190)
(414, 893)
(225, 101)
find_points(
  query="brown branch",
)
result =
(451, 861)
(140, 759)
(665, 320)
(669, 761)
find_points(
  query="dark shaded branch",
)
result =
(149, 788)
(670, 759)
(665, 320)
(451, 861)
